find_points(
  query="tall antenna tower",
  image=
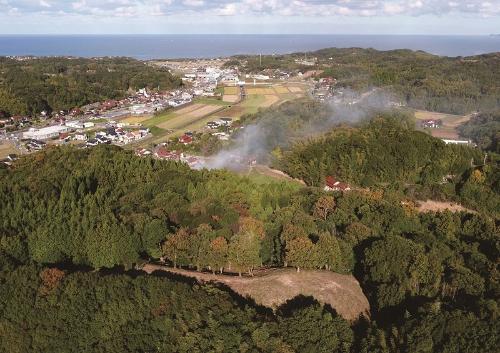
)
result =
(260, 60)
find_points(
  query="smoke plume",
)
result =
(282, 127)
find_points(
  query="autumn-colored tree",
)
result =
(252, 225)
(176, 247)
(300, 253)
(217, 254)
(324, 206)
(51, 277)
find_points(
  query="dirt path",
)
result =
(438, 206)
(274, 287)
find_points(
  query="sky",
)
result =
(460, 17)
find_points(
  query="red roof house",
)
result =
(331, 184)
(186, 139)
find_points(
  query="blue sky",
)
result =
(249, 16)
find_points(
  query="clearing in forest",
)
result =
(273, 287)
(450, 123)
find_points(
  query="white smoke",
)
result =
(255, 142)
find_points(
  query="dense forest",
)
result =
(484, 130)
(52, 84)
(452, 85)
(311, 141)
(431, 278)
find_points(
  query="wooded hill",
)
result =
(450, 85)
(53, 84)
(431, 279)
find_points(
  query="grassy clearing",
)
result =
(258, 177)
(450, 123)
(273, 287)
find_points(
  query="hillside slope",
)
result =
(273, 288)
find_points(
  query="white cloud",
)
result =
(301, 8)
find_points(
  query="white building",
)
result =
(46, 132)
(457, 142)
(79, 125)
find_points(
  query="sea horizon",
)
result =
(172, 46)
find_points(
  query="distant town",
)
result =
(212, 93)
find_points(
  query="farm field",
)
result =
(252, 103)
(281, 89)
(135, 119)
(230, 90)
(230, 98)
(194, 117)
(187, 117)
(450, 123)
(295, 89)
(159, 119)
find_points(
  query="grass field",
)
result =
(273, 287)
(450, 123)
(159, 119)
(252, 103)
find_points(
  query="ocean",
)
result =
(145, 47)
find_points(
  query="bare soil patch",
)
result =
(438, 206)
(274, 287)
(230, 98)
(6, 148)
